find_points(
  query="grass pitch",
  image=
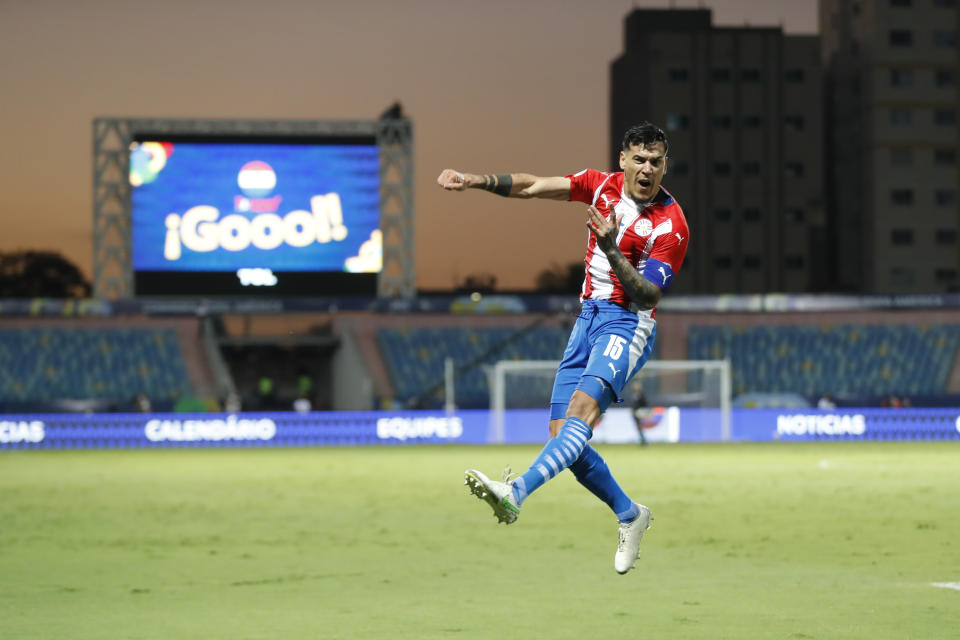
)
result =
(832, 540)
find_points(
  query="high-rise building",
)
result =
(891, 71)
(742, 109)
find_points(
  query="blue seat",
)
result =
(415, 358)
(46, 365)
(841, 359)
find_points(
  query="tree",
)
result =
(557, 279)
(478, 282)
(41, 274)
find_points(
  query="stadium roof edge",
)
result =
(466, 304)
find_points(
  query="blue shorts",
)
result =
(609, 344)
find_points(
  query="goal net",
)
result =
(653, 401)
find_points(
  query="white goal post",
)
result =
(712, 389)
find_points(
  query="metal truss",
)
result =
(112, 266)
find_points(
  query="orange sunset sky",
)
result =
(495, 86)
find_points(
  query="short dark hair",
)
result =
(643, 134)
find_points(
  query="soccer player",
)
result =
(637, 241)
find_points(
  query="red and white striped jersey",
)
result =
(654, 239)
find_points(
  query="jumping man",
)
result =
(638, 239)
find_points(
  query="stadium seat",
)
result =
(843, 359)
(415, 358)
(48, 365)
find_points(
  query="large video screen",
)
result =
(255, 216)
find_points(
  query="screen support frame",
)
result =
(112, 251)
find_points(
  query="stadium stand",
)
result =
(846, 359)
(365, 360)
(415, 357)
(45, 365)
(53, 365)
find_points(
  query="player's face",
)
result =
(643, 168)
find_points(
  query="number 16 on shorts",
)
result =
(614, 350)
(615, 347)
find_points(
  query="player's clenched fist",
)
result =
(452, 180)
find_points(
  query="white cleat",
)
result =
(630, 535)
(499, 495)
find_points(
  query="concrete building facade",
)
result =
(742, 110)
(891, 82)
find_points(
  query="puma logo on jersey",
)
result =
(615, 371)
(664, 274)
(606, 200)
(679, 237)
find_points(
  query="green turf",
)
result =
(834, 540)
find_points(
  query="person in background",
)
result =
(826, 403)
(141, 402)
(640, 411)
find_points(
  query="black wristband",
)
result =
(499, 184)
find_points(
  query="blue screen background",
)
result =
(206, 174)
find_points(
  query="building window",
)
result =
(901, 237)
(677, 122)
(945, 78)
(944, 38)
(793, 262)
(721, 168)
(945, 236)
(722, 214)
(794, 122)
(721, 122)
(720, 75)
(945, 197)
(795, 215)
(750, 75)
(679, 75)
(752, 262)
(751, 214)
(945, 157)
(901, 77)
(945, 116)
(945, 276)
(901, 276)
(793, 75)
(902, 197)
(901, 157)
(722, 262)
(901, 117)
(901, 38)
(752, 122)
(679, 168)
(795, 169)
(751, 168)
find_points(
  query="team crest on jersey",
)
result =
(643, 227)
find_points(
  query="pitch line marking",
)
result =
(946, 585)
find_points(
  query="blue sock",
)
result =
(593, 473)
(558, 454)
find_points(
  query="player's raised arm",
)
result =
(642, 292)
(510, 185)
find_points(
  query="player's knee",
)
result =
(584, 406)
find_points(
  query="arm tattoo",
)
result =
(499, 183)
(642, 292)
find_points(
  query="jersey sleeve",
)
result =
(583, 185)
(667, 256)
